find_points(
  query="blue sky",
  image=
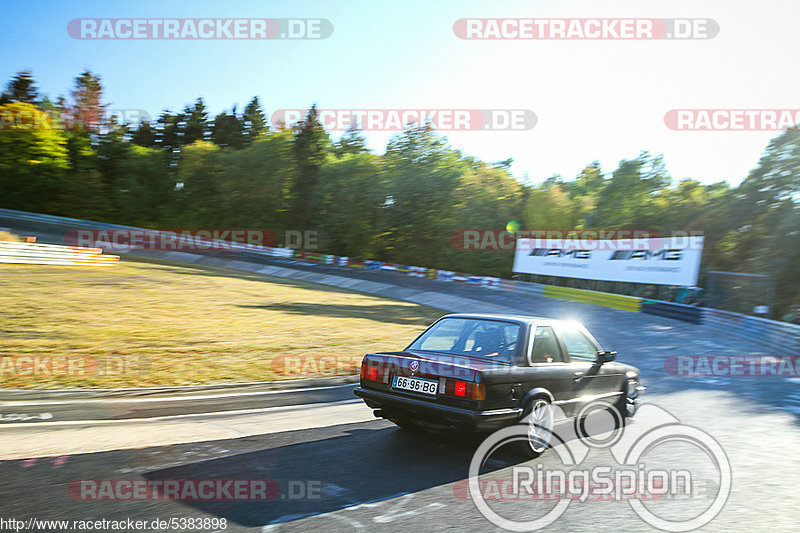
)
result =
(594, 100)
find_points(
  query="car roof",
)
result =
(522, 319)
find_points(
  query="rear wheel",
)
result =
(538, 418)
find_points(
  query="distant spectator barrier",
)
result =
(781, 338)
(526, 287)
(29, 253)
(687, 313)
(617, 301)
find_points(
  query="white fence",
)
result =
(29, 253)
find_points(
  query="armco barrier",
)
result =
(417, 272)
(53, 254)
(779, 337)
(459, 277)
(617, 301)
(687, 313)
(526, 287)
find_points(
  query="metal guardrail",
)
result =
(687, 313)
(53, 254)
(529, 288)
(780, 337)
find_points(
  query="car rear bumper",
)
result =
(388, 405)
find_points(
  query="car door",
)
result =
(547, 366)
(591, 379)
(588, 381)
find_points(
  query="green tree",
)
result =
(311, 147)
(145, 188)
(630, 198)
(254, 183)
(21, 88)
(351, 142)
(352, 197)
(168, 131)
(254, 122)
(145, 135)
(423, 175)
(196, 127)
(200, 172)
(228, 130)
(33, 160)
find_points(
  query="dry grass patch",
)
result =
(159, 323)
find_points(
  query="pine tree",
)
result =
(21, 88)
(254, 121)
(196, 127)
(88, 111)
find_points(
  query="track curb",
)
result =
(17, 395)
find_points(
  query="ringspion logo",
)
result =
(199, 29)
(642, 469)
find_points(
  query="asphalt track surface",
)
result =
(367, 475)
(161, 406)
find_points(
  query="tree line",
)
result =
(187, 169)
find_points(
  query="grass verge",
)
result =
(158, 323)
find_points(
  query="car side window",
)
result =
(578, 345)
(545, 346)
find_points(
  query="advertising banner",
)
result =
(665, 261)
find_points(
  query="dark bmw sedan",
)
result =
(484, 372)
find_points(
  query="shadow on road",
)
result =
(355, 466)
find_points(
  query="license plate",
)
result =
(424, 386)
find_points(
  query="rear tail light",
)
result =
(465, 389)
(373, 372)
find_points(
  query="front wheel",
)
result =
(626, 405)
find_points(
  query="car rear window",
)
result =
(491, 339)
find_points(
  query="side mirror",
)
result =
(605, 357)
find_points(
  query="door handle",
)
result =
(578, 376)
